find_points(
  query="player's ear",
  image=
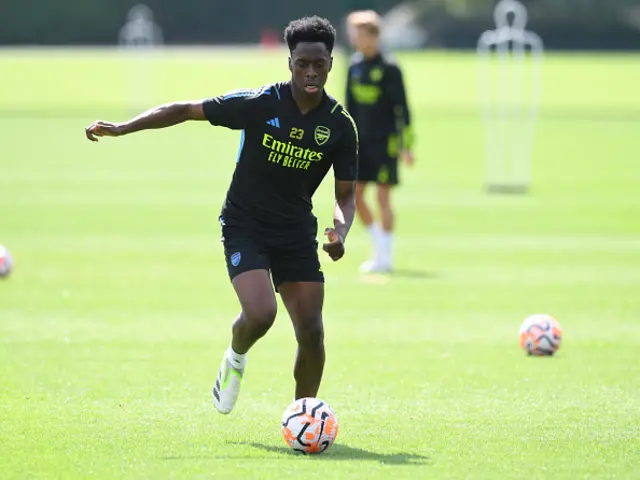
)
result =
(290, 65)
(330, 63)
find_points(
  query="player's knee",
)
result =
(310, 334)
(261, 318)
(384, 198)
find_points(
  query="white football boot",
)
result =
(375, 266)
(227, 387)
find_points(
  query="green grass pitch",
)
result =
(113, 324)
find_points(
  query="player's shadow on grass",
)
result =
(404, 273)
(344, 452)
(411, 273)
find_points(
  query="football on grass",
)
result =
(5, 262)
(540, 335)
(309, 425)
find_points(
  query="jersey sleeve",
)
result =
(349, 100)
(345, 161)
(235, 109)
(395, 90)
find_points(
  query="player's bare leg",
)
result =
(388, 220)
(304, 301)
(258, 302)
(364, 212)
(259, 308)
(386, 212)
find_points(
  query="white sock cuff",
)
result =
(386, 248)
(239, 360)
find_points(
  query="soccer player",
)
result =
(292, 134)
(376, 99)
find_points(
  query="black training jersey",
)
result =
(376, 98)
(284, 155)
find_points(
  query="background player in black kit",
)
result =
(376, 98)
(292, 134)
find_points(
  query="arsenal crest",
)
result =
(321, 134)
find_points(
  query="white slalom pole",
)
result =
(139, 39)
(510, 87)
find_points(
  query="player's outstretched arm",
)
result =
(343, 214)
(160, 117)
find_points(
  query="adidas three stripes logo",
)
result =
(274, 122)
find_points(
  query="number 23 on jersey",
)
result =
(296, 133)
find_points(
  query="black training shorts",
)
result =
(378, 161)
(290, 256)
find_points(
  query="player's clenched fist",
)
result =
(102, 129)
(335, 246)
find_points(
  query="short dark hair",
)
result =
(310, 29)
